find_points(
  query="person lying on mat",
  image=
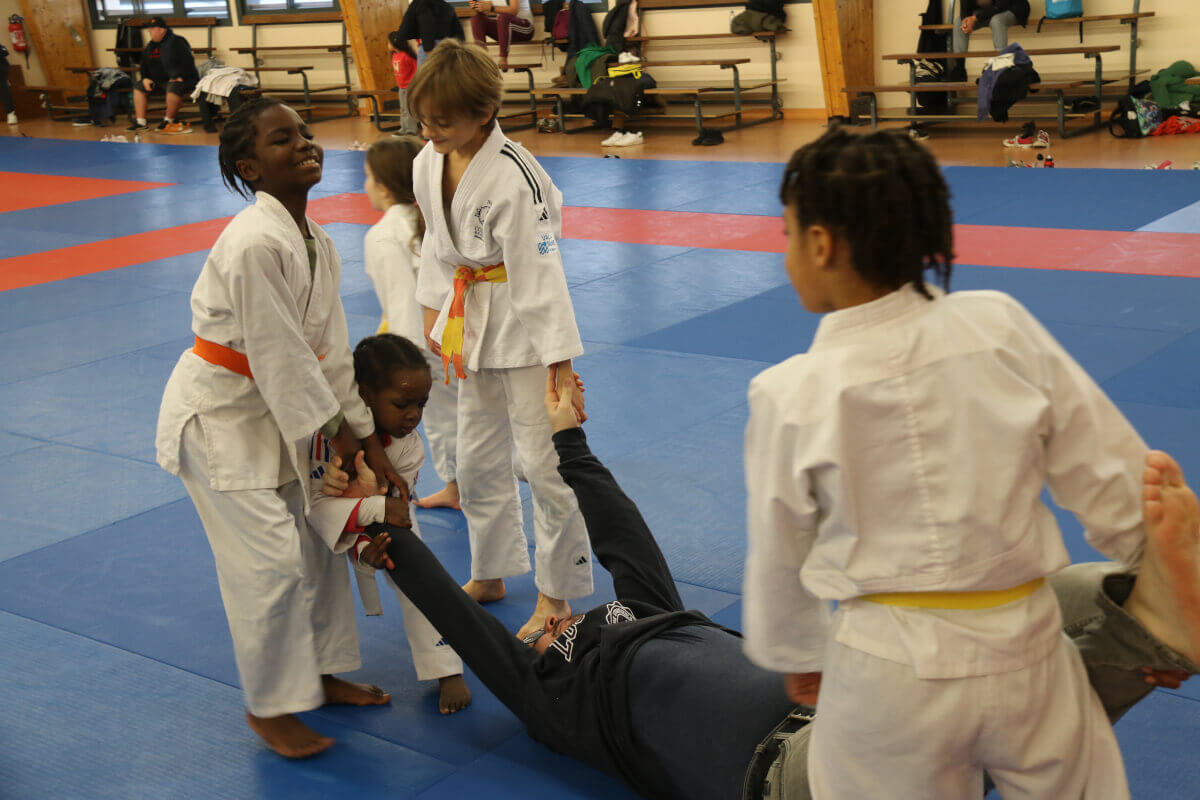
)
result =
(663, 698)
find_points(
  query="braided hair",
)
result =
(884, 194)
(237, 142)
(378, 357)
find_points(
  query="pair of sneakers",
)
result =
(169, 127)
(622, 138)
(12, 118)
(1029, 136)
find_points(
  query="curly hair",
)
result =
(883, 194)
(237, 142)
(378, 357)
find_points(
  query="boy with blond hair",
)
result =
(499, 313)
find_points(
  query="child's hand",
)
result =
(396, 512)
(337, 483)
(803, 687)
(560, 406)
(375, 554)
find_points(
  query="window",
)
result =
(107, 13)
(287, 6)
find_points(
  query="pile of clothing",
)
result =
(1178, 102)
(1005, 80)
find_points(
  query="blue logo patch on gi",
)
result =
(546, 244)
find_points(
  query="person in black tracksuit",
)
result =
(6, 102)
(638, 687)
(168, 67)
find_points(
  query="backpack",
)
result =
(1134, 117)
(1063, 9)
(562, 22)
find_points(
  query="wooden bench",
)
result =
(1132, 19)
(305, 91)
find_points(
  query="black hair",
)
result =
(237, 142)
(400, 43)
(884, 195)
(378, 357)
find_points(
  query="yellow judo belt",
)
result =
(969, 601)
(452, 334)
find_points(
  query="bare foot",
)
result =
(1166, 596)
(455, 694)
(446, 498)
(339, 692)
(288, 736)
(546, 607)
(488, 591)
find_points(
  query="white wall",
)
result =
(1174, 34)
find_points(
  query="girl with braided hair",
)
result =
(271, 364)
(897, 469)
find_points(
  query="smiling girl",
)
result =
(271, 364)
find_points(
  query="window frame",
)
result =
(179, 11)
(290, 8)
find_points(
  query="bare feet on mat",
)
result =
(288, 736)
(1166, 596)
(340, 692)
(488, 591)
(455, 694)
(446, 498)
(546, 607)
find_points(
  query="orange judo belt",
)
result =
(452, 334)
(225, 357)
(969, 601)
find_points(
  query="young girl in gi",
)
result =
(394, 380)
(271, 365)
(392, 252)
(897, 467)
(497, 306)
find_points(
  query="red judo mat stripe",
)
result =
(1137, 252)
(22, 190)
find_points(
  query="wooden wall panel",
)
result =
(61, 33)
(846, 40)
(368, 23)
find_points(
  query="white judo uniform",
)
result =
(339, 520)
(506, 209)
(392, 267)
(906, 451)
(240, 445)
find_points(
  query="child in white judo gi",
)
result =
(271, 364)
(896, 468)
(394, 380)
(392, 252)
(497, 307)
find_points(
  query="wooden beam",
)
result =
(61, 35)
(846, 40)
(368, 23)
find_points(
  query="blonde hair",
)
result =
(391, 163)
(458, 80)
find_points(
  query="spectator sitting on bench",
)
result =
(168, 68)
(511, 23)
(967, 15)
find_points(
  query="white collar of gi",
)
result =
(901, 303)
(270, 205)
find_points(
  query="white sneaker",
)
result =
(630, 138)
(12, 118)
(627, 58)
(613, 139)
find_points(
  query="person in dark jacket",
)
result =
(168, 68)
(429, 21)
(6, 101)
(664, 698)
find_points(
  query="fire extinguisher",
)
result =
(16, 32)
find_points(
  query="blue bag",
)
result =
(1063, 9)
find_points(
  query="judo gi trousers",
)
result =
(287, 596)
(501, 416)
(441, 421)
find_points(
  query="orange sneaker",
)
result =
(176, 128)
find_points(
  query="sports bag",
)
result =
(1134, 117)
(1064, 9)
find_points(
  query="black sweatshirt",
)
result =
(983, 14)
(574, 698)
(168, 59)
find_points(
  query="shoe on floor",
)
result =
(628, 58)
(613, 138)
(176, 128)
(629, 138)
(708, 138)
(137, 127)
(81, 122)
(917, 132)
(1029, 137)
(12, 118)
(162, 126)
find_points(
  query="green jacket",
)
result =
(1169, 86)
